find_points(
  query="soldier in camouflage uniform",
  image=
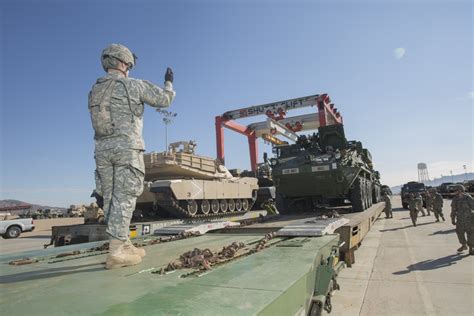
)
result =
(419, 204)
(413, 206)
(429, 202)
(388, 205)
(462, 215)
(437, 200)
(116, 105)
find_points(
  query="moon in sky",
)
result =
(399, 52)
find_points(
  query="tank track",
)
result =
(171, 205)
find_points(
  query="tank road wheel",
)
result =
(223, 205)
(231, 205)
(215, 206)
(205, 207)
(192, 207)
(357, 197)
(238, 205)
(245, 205)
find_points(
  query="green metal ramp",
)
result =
(279, 280)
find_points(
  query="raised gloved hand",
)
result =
(169, 75)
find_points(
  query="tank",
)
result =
(187, 185)
(324, 169)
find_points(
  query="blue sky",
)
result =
(401, 74)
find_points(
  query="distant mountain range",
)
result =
(435, 182)
(15, 203)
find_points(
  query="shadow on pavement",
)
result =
(443, 232)
(36, 237)
(49, 273)
(398, 209)
(403, 227)
(432, 264)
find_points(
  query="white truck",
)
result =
(12, 226)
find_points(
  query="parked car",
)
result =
(13, 227)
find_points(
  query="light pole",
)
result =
(465, 172)
(168, 117)
(452, 178)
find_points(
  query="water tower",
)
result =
(423, 173)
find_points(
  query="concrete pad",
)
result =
(405, 270)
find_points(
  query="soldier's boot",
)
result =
(131, 249)
(471, 251)
(118, 257)
(443, 218)
(462, 248)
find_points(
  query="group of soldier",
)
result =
(462, 212)
(434, 203)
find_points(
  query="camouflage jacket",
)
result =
(429, 200)
(462, 208)
(124, 98)
(388, 202)
(438, 201)
(414, 202)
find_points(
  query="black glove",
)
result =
(169, 75)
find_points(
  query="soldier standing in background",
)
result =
(116, 105)
(388, 205)
(413, 206)
(429, 202)
(419, 204)
(437, 200)
(462, 216)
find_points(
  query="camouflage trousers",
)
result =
(420, 209)
(388, 212)
(429, 208)
(438, 212)
(119, 179)
(414, 215)
(465, 229)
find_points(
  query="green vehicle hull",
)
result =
(325, 169)
(292, 276)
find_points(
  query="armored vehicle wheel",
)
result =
(223, 205)
(238, 205)
(245, 205)
(357, 197)
(205, 207)
(192, 207)
(231, 205)
(215, 206)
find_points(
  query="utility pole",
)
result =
(168, 117)
(452, 178)
(465, 172)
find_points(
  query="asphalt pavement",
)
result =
(406, 270)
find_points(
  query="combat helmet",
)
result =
(460, 188)
(119, 52)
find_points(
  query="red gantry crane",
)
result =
(277, 123)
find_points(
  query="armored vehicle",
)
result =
(412, 187)
(324, 169)
(188, 185)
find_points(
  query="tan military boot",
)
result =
(462, 248)
(118, 257)
(129, 248)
